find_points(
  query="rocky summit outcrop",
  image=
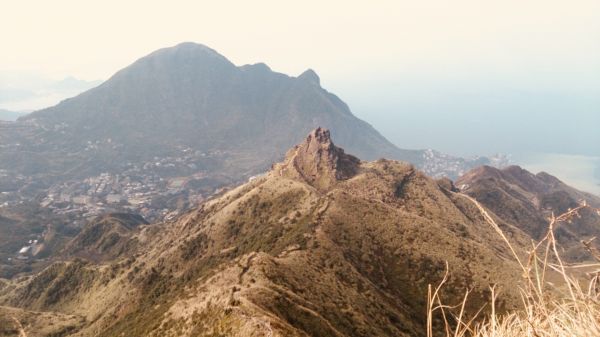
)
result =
(318, 161)
(322, 245)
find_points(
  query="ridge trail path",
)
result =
(22, 332)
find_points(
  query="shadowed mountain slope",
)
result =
(191, 95)
(241, 119)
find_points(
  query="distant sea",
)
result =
(581, 172)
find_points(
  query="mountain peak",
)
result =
(310, 76)
(320, 135)
(186, 52)
(193, 46)
(318, 161)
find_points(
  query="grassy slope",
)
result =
(276, 254)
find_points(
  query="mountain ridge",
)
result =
(322, 245)
(171, 129)
(527, 200)
(166, 72)
(190, 58)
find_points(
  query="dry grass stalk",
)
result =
(548, 310)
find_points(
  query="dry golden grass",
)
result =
(569, 307)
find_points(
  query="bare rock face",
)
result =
(318, 161)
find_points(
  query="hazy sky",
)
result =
(455, 70)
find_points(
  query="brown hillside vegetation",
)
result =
(528, 200)
(323, 245)
(105, 238)
(22, 323)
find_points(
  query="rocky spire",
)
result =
(318, 161)
(310, 76)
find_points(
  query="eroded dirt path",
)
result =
(22, 332)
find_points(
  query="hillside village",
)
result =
(137, 188)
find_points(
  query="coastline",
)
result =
(582, 172)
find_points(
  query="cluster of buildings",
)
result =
(143, 187)
(109, 192)
(439, 165)
(9, 194)
(140, 187)
(30, 249)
